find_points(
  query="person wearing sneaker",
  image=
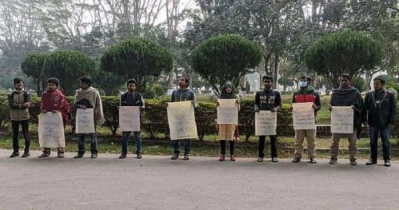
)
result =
(346, 95)
(226, 131)
(19, 102)
(131, 98)
(89, 97)
(270, 100)
(306, 94)
(53, 100)
(379, 114)
(183, 94)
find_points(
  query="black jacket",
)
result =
(267, 99)
(379, 110)
(132, 99)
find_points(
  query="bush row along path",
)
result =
(156, 182)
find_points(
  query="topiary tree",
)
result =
(226, 57)
(141, 59)
(349, 52)
(68, 67)
(32, 66)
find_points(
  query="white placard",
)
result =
(51, 130)
(181, 120)
(129, 118)
(227, 112)
(342, 119)
(85, 121)
(265, 123)
(303, 116)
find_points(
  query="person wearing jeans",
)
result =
(19, 102)
(131, 98)
(183, 94)
(89, 97)
(379, 114)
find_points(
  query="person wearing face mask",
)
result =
(346, 95)
(270, 100)
(306, 94)
(379, 114)
(226, 131)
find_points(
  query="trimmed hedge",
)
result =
(154, 116)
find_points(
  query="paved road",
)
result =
(156, 182)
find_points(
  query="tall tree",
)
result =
(226, 57)
(68, 66)
(343, 52)
(140, 58)
(32, 66)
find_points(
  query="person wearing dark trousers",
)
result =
(131, 98)
(227, 131)
(379, 114)
(183, 94)
(89, 97)
(19, 102)
(270, 100)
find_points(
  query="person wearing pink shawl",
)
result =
(89, 97)
(53, 100)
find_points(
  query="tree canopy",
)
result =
(32, 66)
(141, 59)
(349, 52)
(225, 57)
(68, 67)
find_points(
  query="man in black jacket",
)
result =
(131, 98)
(270, 100)
(379, 113)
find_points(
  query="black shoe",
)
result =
(26, 154)
(312, 161)
(139, 156)
(78, 156)
(175, 157)
(296, 160)
(93, 156)
(274, 160)
(14, 154)
(387, 163)
(371, 162)
(122, 156)
(260, 159)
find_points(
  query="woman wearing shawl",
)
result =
(53, 100)
(226, 131)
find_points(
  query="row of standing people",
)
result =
(378, 110)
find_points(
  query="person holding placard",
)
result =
(348, 96)
(268, 100)
(19, 102)
(227, 131)
(379, 114)
(88, 97)
(53, 100)
(306, 94)
(183, 94)
(131, 98)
